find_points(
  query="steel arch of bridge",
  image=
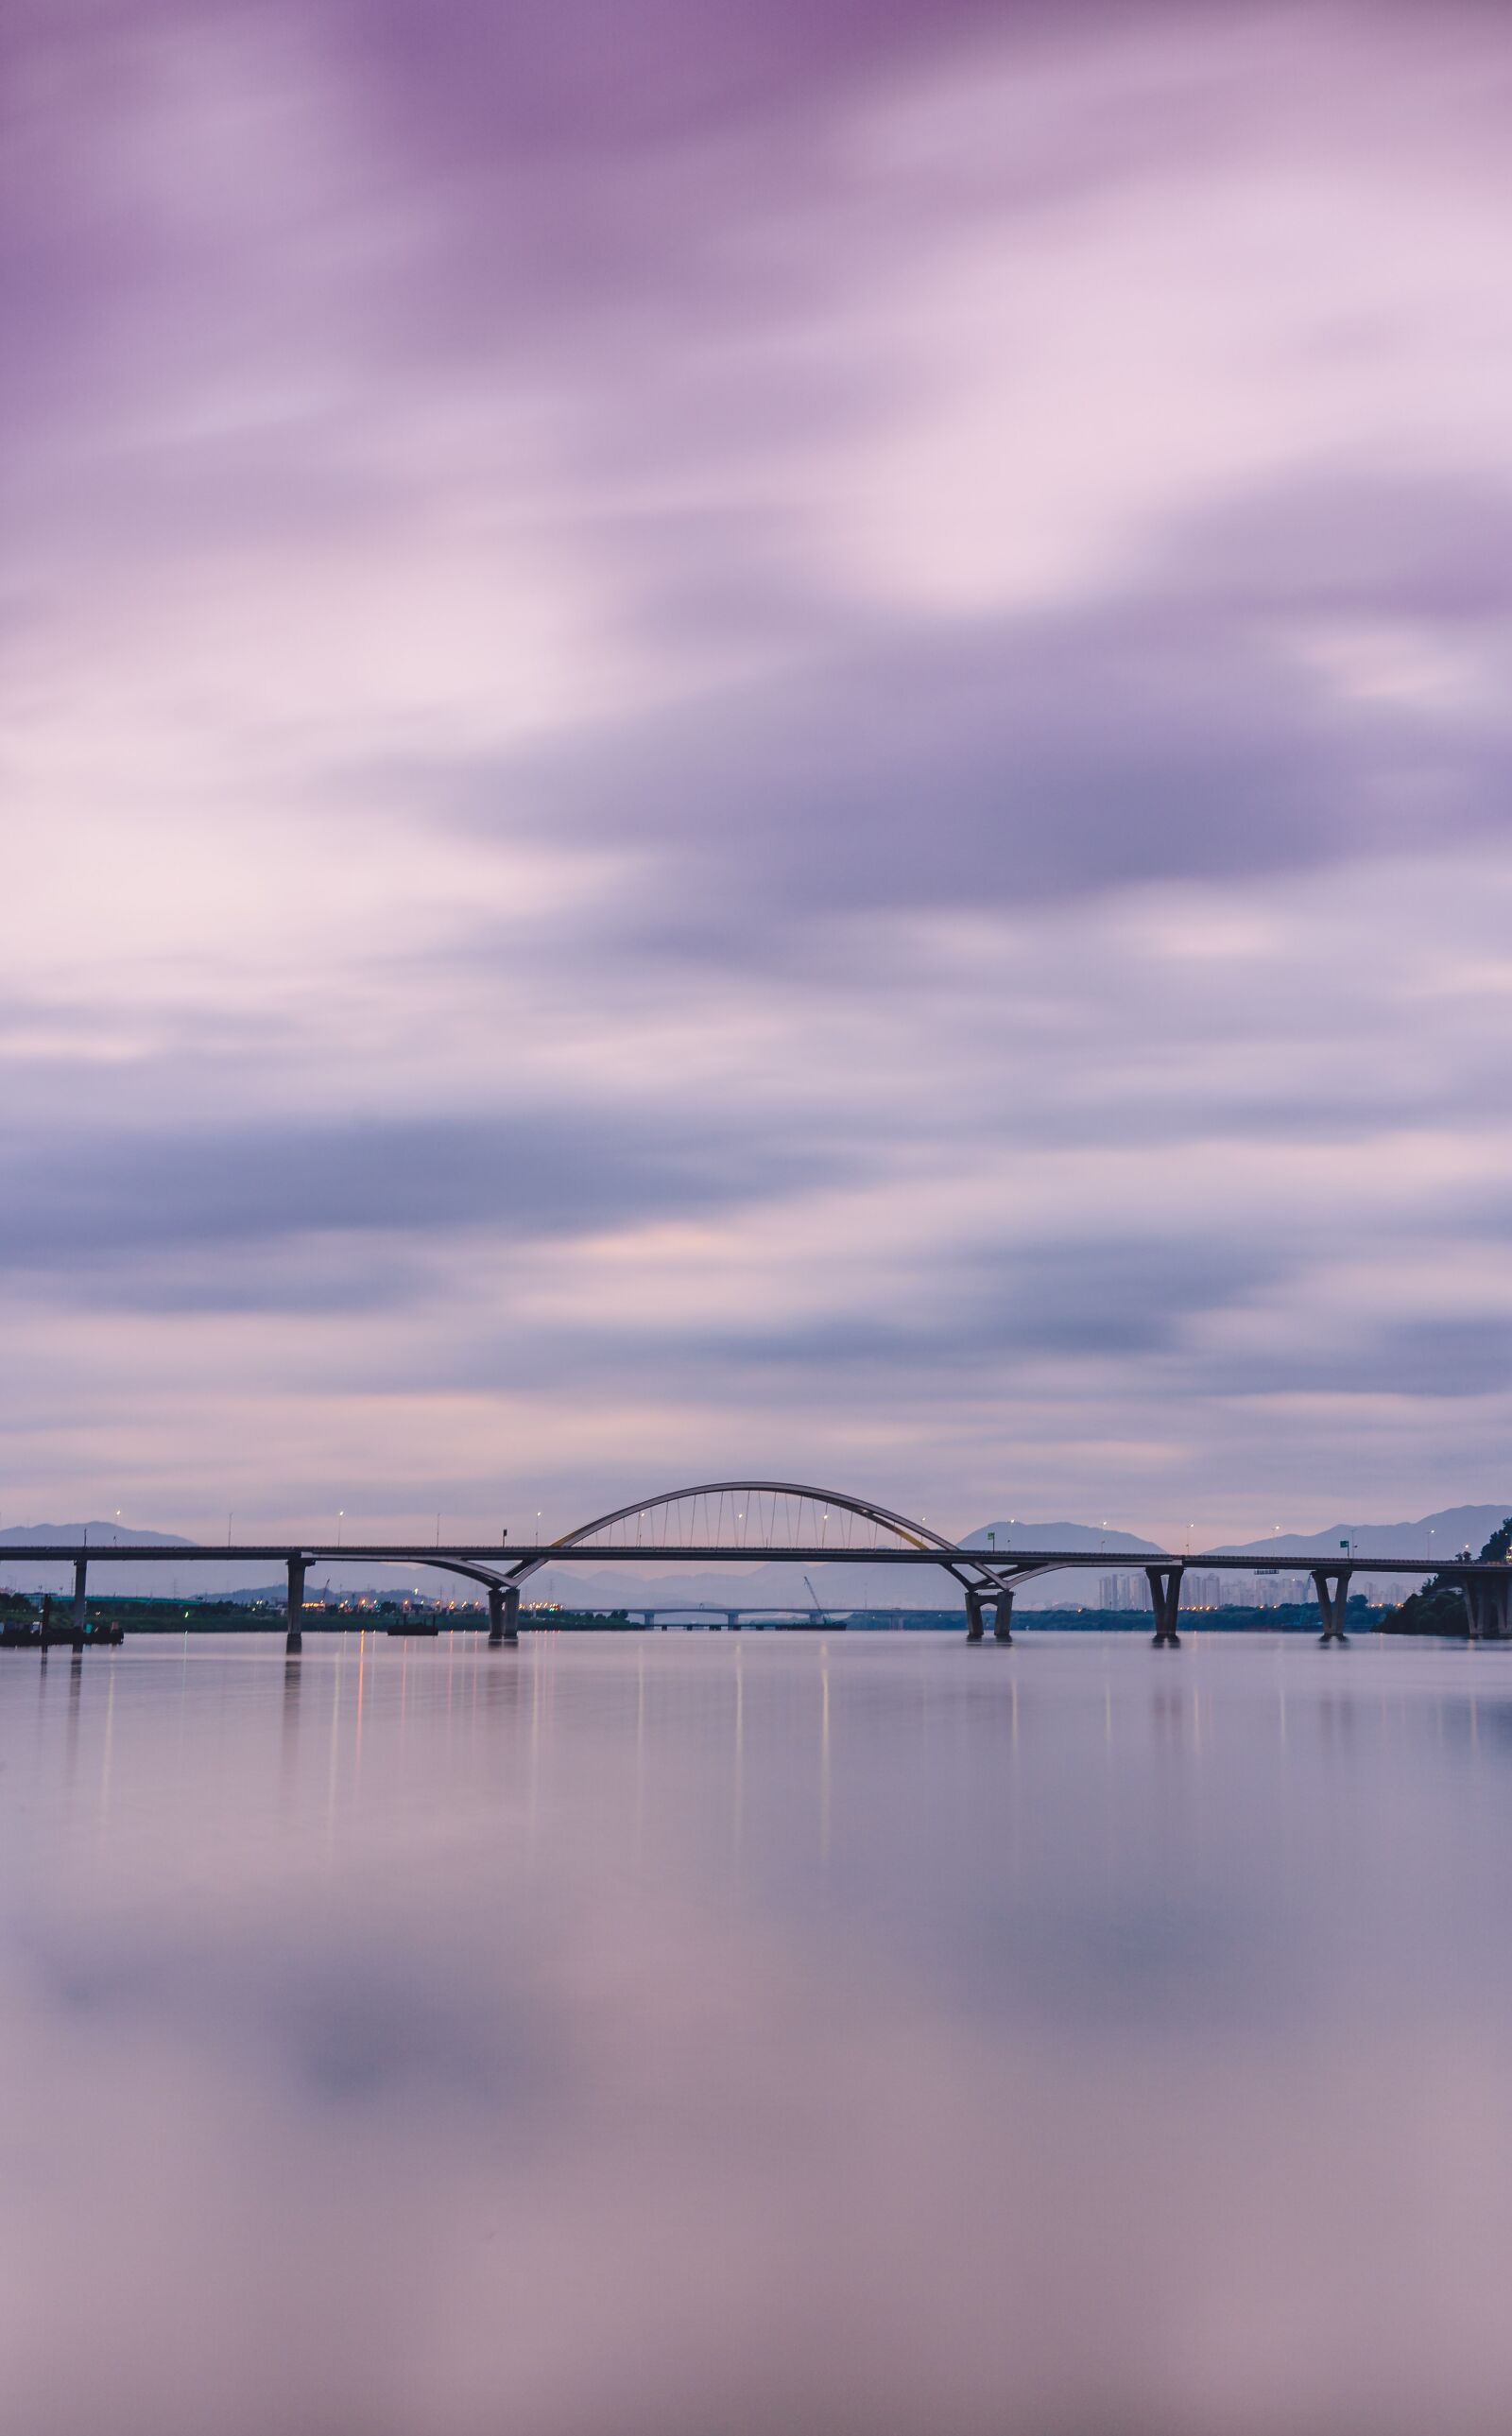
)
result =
(988, 1577)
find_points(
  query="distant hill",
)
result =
(99, 1535)
(1073, 1537)
(199, 1580)
(1436, 1534)
(105, 1580)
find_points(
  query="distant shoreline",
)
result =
(209, 1617)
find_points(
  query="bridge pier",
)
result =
(974, 1615)
(503, 1615)
(294, 1610)
(80, 1601)
(1487, 1597)
(1164, 1598)
(1002, 1617)
(1332, 1602)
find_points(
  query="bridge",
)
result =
(733, 1522)
(734, 1619)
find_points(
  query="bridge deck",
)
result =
(509, 1554)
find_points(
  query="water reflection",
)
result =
(696, 2034)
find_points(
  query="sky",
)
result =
(755, 741)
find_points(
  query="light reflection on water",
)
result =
(712, 2033)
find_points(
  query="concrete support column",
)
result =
(503, 1615)
(1486, 1600)
(1164, 1598)
(973, 1616)
(1332, 1583)
(294, 1612)
(80, 1602)
(1002, 1620)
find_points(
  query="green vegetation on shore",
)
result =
(1439, 1606)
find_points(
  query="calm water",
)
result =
(709, 2034)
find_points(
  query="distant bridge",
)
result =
(733, 1618)
(737, 1522)
(749, 1619)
